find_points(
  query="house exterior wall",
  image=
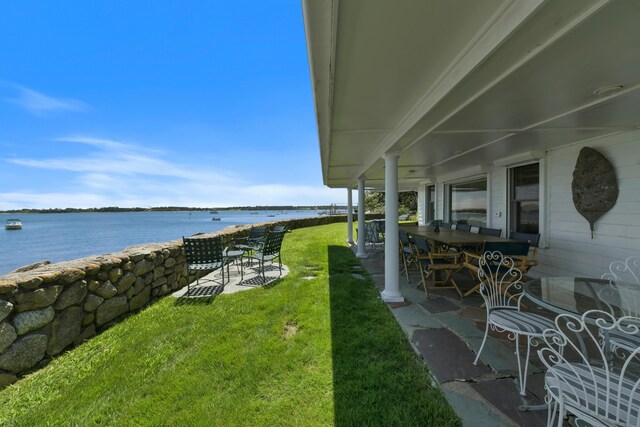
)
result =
(422, 205)
(568, 249)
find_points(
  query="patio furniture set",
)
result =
(259, 247)
(590, 340)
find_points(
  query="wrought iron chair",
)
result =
(496, 232)
(268, 250)
(622, 297)
(580, 377)
(279, 229)
(204, 254)
(517, 251)
(502, 291)
(430, 262)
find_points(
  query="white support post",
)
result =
(391, 291)
(349, 216)
(361, 233)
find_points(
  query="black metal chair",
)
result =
(204, 254)
(253, 239)
(496, 232)
(268, 250)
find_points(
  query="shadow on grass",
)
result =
(377, 379)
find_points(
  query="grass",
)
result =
(320, 351)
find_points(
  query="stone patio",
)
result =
(446, 332)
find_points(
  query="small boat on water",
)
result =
(215, 219)
(214, 212)
(13, 224)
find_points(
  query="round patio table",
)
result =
(577, 295)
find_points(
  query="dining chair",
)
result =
(406, 250)
(502, 291)
(583, 380)
(431, 262)
(445, 225)
(463, 227)
(534, 241)
(204, 254)
(496, 232)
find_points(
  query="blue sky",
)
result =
(131, 103)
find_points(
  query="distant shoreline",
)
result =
(165, 209)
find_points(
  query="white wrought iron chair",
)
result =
(580, 378)
(622, 298)
(501, 288)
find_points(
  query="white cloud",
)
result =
(128, 175)
(38, 103)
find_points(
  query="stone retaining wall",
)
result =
(51, 308)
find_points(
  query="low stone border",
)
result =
(53, 307)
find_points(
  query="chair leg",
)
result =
(486, 333)
(521, 374)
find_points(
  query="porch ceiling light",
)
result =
(608, 90)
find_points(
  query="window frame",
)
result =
(447, 195)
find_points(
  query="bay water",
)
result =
(60, 237)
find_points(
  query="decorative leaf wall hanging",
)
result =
(594, 186)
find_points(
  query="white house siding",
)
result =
(571, 251)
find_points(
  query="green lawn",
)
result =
(303, 352)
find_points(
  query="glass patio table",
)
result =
(577, 295)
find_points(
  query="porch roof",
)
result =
(456, 85)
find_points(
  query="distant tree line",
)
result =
(166, 209)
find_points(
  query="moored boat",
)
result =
(215, 219)
(13, 224)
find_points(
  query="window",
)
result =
(468, 202)
(430, 202)
(524, 193)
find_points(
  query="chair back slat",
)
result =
(445, 225)
(507, 248)
(421, 244)
(404, 237)
(202, 250)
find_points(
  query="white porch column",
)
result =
(349, 216)
(361, 234)
(391, 291)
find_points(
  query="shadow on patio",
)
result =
(446, 332)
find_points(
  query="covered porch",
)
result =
(482, 108)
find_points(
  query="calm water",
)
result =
(67, 236)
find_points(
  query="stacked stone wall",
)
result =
(50, 308)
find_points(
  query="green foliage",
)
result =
(407, 202)
(316, 348)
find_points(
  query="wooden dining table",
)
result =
(451, 238)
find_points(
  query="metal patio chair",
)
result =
(204, 254)
(582, 380)
(253, 238)
(268, 250)
(502, 291)
(517, 251)
(622, 294)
